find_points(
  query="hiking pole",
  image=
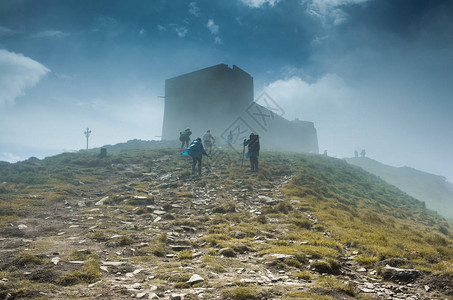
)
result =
(243, 151)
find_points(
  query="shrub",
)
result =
(227, 252)
(185, 174)
(303, 223)
(261, 219)
(437, 240)
(303, 275)
(329, 266)
(125, 240)
(88, 274)
(24, 259)
(284, 207)
(98, 236)
(185, 254)
(243, 293)
(367, 261)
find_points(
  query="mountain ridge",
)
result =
(432, 189)
(137, 224)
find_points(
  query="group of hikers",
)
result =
(196, 150)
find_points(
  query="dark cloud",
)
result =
(387, 63)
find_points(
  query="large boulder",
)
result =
(397, 274)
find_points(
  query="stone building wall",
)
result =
(221, 99)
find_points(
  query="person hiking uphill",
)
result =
(184, 137)
(196, 151)
(229, 139)
(253, 144)
(208, 141)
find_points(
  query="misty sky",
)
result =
(371, 74)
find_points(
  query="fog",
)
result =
(373, 75)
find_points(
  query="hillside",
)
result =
(136, 224)
(434, 190)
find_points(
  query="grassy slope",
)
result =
(366, 213)
(356, 210)
(432, 189)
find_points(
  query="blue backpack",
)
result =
(195, 149)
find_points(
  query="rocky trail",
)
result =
(162, 236)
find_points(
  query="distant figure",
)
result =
(363, 153)
(208, 141)
(184, 137)
(253, 144)
(196, 151)
(325, 153)
(356, 153)
(229, 139)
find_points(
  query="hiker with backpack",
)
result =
(184, 137)
(253, 144)
(208, 140)
(196, 151)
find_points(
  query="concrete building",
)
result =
(221, 99)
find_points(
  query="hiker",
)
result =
(253, 144)
(363, 153)
(229, 139)
(208, 141)
(196, 151)
(184, 137)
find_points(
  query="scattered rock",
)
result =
(22, 226)
(179, 247)
(240, 235)
(195, 279)
(101, 202)
(267, 200)
(281, 256)
(395, 261)
(142, 200)
(113, 263)
(361, 270)
(55, 260)
(130, 227)
(135, 272)
(366, 290)
(227, 252)
(93, 284)
(398, 274)
(176, 296)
